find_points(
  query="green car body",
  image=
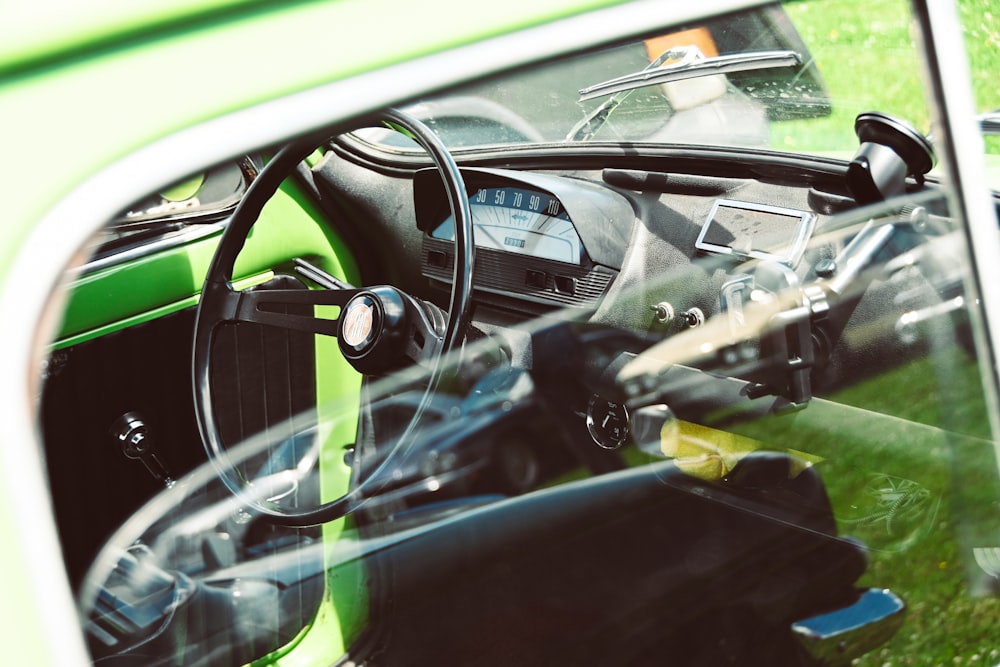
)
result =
(104, 102)
(84, 85)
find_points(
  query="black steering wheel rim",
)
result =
(220, 303)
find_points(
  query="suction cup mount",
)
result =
(891, 149)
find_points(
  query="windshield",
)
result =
(845, 63)
(761, 103)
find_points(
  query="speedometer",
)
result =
(539, 238)
(520, 220)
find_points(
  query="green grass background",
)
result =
(866, 52)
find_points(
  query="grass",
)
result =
(882, 436)
(866, 54)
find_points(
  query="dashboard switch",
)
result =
(438, 259)
(565, 285)
(693, 317)
(663, 312)
(535, 279)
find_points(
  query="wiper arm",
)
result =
(989, 123)
(689, 68)
(689, 64)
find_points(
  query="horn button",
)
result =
(381, 328)
(360, 324)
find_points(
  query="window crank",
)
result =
(136, 441)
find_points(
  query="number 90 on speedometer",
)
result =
(522, 221)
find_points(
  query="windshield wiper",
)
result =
(989, 123)
(688, 63)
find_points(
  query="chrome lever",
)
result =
(133, 435)
(839, 636)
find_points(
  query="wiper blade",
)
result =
(688, 63)
(989, 123)
(689, 68)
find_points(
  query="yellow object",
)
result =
(704, 452)
(710, 454)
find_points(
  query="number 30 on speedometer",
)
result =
(522, 221)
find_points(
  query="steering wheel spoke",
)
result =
(271, 307)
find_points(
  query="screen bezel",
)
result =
(798, 240)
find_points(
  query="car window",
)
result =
(716, 393)
(206, 197)
(982, 41)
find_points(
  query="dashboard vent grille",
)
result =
(525, 277)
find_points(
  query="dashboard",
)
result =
(558, 239)
(657, 246)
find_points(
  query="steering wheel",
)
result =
(376, 327)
